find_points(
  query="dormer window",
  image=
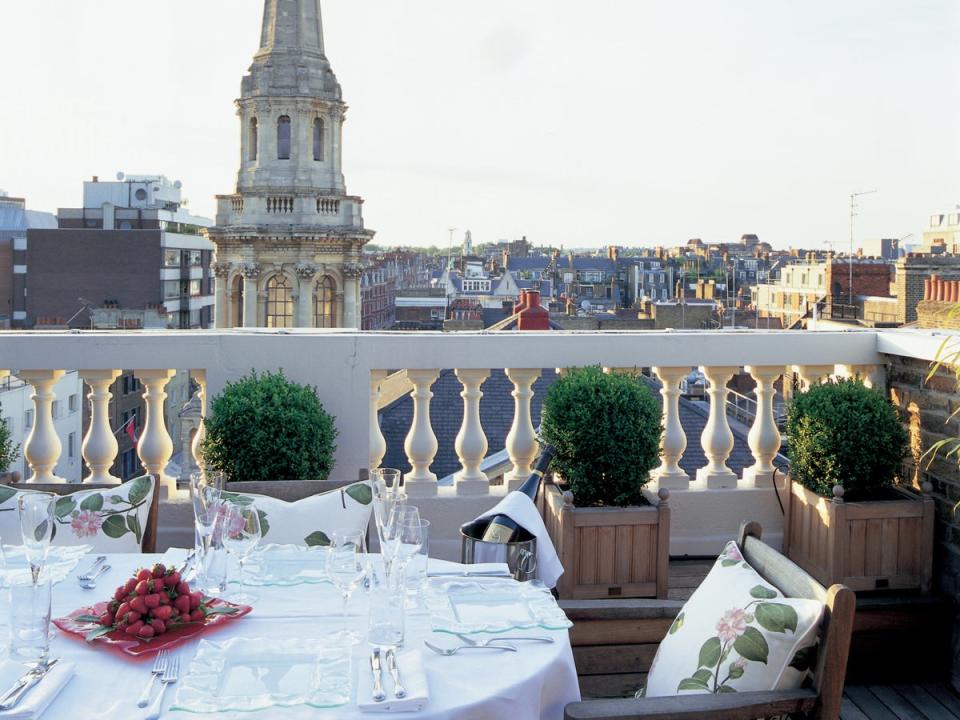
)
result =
(283, 138)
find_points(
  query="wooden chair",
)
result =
(149, 541)
(821, 702)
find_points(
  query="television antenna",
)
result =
(853, 214)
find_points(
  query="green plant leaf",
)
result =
(804, 659)
(114, 527)
(692, 684)
(94, 634)
(6, 492)
(360, 492)
(92, 502)
(728, 563)
(40, 531)
(64, 506)
(317, 539)
(139, 489)
(116, 500)
(726, 689)
(87, 619)
(752, 646)
(763, 593)
(777, 617)
(677, 624)
(710, 653)
(264, 525)
(703, 675)
(133, 522)
(735, 671)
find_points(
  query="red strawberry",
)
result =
(139, 604)
(195, 599)
(145, 587)
(172, 580)
(133, 617)
(113, 606)
(130, 586)
(159, 570)
(120, 593)
(123, 609)
(164, 598)
(145, 631)
(143, 574)
(106, 619)
(152, 600)
(182, 604)
(162, 613)
(183, 588)
(159, 626)
(134, 628)
(197, 616)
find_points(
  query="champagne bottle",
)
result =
(503, 529)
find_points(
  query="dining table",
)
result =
(535, 682)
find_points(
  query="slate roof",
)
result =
(586, 262)
(535, 262)
(496, 416)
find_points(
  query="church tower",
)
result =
(290, 240)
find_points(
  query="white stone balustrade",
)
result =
(196, 447)
(673, 443)
(42, 448)
(100, 444)
(471, 443)
(521, 443)
(717, 438)
(155, 446)
(421, 444)
(812, 374)
(378, 444)
(764, 437)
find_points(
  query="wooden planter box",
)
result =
(878, 545)
(608, 552)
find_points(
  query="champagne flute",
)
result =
(383, 506)
(405, 537)
(241, 534)
(344, 566)
(36, 528)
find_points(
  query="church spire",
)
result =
(294, 26)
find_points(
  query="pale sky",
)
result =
(626, 122)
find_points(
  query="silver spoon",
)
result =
(90, 582)
(447, 652)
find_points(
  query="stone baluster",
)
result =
(717, 438)
(100, 446)
(155, 446)
(673, 442)
(812, 374)
(871, 375)
(764, 438)
(378, 444)
(421, 443)
(521, 443)
(471, 444)
(42, 448)
(196, 447)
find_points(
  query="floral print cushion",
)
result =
(111, 520)
(313, 520)
(737, 633)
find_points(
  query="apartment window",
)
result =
(436, 314)
(663, 278)
(253, 140)
(171, 289)
(325, 309)
(283, 138)
(195, 288)
(128, 464)
(74, 403)
(125, 384)
(318, 139)
(194, 318)
(196, 258)
(279, 302)
(72, 445)
(56, 409)
(28, 419)
(171, 258)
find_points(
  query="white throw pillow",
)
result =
(313, 520)
(111, 520)
(737, 633)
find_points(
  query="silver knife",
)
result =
(378, 694)
(398, 690)
(25, 683)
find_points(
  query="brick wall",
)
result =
(935, 314)
(869, 278)
(911, 272)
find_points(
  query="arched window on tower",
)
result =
(253, 140)
(279, 302)
(318, 139)
(283, 138)
(325, 305)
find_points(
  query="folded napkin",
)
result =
(39, 697)
(412, 675)
(441, 568)
(521, 510)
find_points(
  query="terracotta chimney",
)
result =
(521, 303)
(926, 289)
(533, 316)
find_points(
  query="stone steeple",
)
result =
(290, 218)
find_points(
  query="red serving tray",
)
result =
(135, 647)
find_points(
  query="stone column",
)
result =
(471, 444)
(222, 296)
(421, 444)
(42, 448)
(351, 308)
(764, 438)
(100, 446)
(521, 443)
(717, 438)
(674, 440)
(378, 444)
(305, 274)
(155, 446)
(251, 296)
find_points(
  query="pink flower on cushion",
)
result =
(732, 625)
(86, 523)
(733, 552)
(740, 663)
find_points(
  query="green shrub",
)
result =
(843, 433)
(8, 451)
(606, 431)
(265, 427)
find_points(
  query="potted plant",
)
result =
(848, 518)
(265, 427)
(611, 536)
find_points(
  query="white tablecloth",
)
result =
(536, 682)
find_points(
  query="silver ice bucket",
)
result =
(520, 557)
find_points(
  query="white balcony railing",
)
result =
(349, 369)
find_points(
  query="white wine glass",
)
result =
(36, 528)
(345, 566)
(405, 537)
(241, 533)
(383, 506)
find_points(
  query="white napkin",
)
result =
(412, 675)
(32, 705)
(441, 568)
(520, 509)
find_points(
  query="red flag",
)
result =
(132, 430)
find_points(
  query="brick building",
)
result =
(912, 271)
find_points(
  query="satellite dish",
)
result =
(120, 176)
(178, 184)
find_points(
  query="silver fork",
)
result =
(483, 642)
(96, 563)
(159, 665)
(90, 582)
(447, 652)
(169, 678)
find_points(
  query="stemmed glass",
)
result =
(344, 564)
(206, 507)
(241, 534)
(386, 480)
(384, 502)
(403, 536)
(36, 528)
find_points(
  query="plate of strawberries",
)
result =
(154, 610)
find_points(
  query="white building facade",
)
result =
(290, 239)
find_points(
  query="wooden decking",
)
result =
(900, 702)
